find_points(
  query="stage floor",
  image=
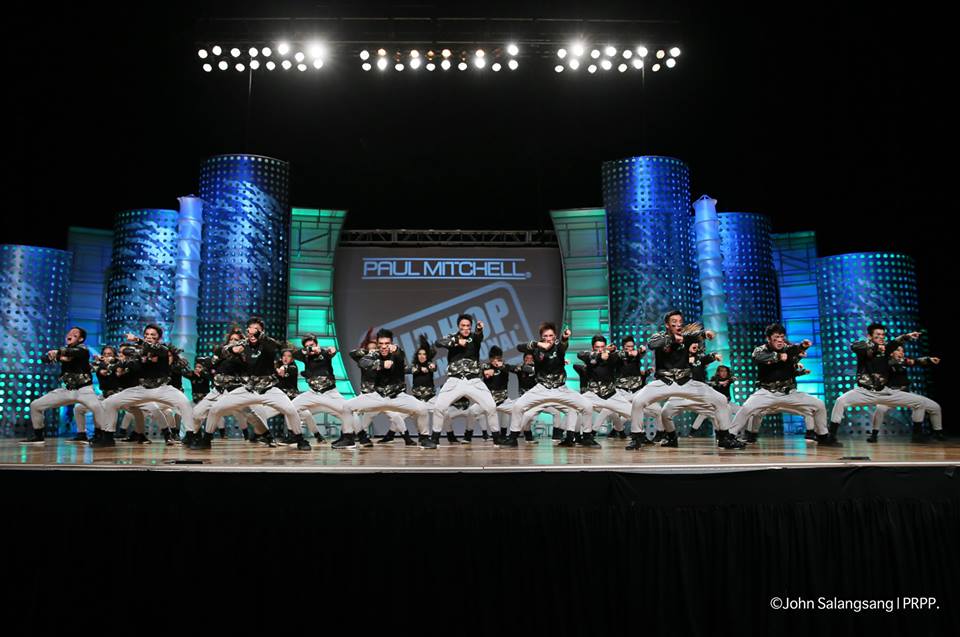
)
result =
(697, 455)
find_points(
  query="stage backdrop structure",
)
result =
(710, 265)
(34, 297)
(245, 251)
(855, 290)
(650, 244)
(140, 289)
(187, 278)
(92, 250)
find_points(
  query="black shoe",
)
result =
(408, 440)
(267, 438)
(104, 440)
(363, 439)
(873, 436)
(435, 437)
(288, 439)
(510, 440)
(202, 441)
(121, 435)
(939, 436)
(80, 437)
(504, 432)
(484, 434)
(427, 442)
(589, 440)
(467, 437)
(96, 434)
(834, 429)
(826, 440)
(132, 436)
(223, 433)
(636, 441)
(320, 439)
(452, 438)
(345, 441)
(176, 432)
(168, 438)
(528, 437)
(730, 441)
(253, 437)
(188, 438)
(245, 433)
(670, 440)
(390, 437)
(557, 434)
(141, 439)
(658, 437)
(622, 434)
(750, 437)
(917, 433)
(569, 440)
(302, 444)
(810, 435)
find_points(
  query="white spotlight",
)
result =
(577, 49)
(480, 53)
(637, 63)
(207, 68)
(364, 55)
(398, 66)
(414, 53)
(675, 52)
(283, 48)
(235, 52)
(479, 62)
(271, 65)
(671, 63)
(382, 63)
(266, 52)
(445, 53)
(381, 52)
(445, 65)
(216, 49)
(286, 65)
(595, 53)
(318, 63)
(223, 66)
(366, 66)
(558, 68)
(512, 49)
(415, 63)
(241, 68)
(301, 67)
(610, 51)
(254, 64)
(642, 51)
(495, 67)
(622, 67)
(592, 68)
(513, 64)
(660, 54)
(431, 66)
(203, 54)
(462, 66)
(315, 50)
(627, 54)
(253, 52)
(574, 64)
(299, 56)
(656, 67)
(606, 64)
(561, 53)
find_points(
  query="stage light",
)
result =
(577, 49)
(235, 52)
(381, 52)
(462, 66)
(216, 49)
(266, 52)
(495, 67)
(606, 65)
(431, 66)
(301, 67)
(382, 63)
(207, 68)
(398, 66)
(558, 68)
(254, 64)
(364, 55)
(656, 67)
(203, 54)
(445, 53)
(561, 53)
(414, 53)
(660, 54)
(627, 54)
(415, 63)
(286, 65)
(675, 51)
(480, 53)
(241, 68)
(271, 65)
(445, 65)
(283, 48)
(642, 51)
(595, 53)
(318, 63)
(512, 49)
(299, 56)
(253, 52)
(479, 62)
(513, 64)
(610, 51)
(671, 63)
(622, 68)
(637, 63)
(592, 68)
(316, 50)
(223, 66)
(366, 66)
(574, 64)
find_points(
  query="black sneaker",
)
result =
(253, 437)
(302, 444)
(131, 436)
(363, 439)
(569, 440)
(188, 438)
(750, 437)
(670, 440)
(120, 435)
(658, 437)
(267, 439)
(510, 440)
(288, 439)
(96, 434)
(245, 433)
(588, 440)
(426, 442)
(810, 434)
(80, 437)
(390, 437)
(873, 436)
(528, 437)
(826, 440)
(104, 440)
(467, 437)
(36, 437)
(223, 433)
(939, 436)
(917, 433)
(729, 441)
(557, 434)
(484, 434)
(452, 438)
(168, 438)
(636, 441)
(319, 438)
(408, 440)
(622, 434)
(202, 442)
(141, 439)
(345, 441)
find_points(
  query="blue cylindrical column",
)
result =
(710, 263)
(187, 279)
(855, 290)
(34, 297)
(141, 285)
(246, 225)
(650, 243)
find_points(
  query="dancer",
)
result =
(897, 380)
(699, 360)
(323, 394)
(367, 382)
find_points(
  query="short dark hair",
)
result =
(547, 325)
(286, 350)
(598, 337)
(875, 326)
(309, 337)
(83, 332)
(154, 326)
(719, 367)
(774, 328)
(496, 352)
(108, 347)
(384, 333)
(666, 317)
(627, 339)
(256, 320)
(464, 316)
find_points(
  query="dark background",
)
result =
(823, 116)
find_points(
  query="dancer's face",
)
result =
(898, 355)
(383, 344)
(675, 324)
(599, 346)
(422, 356)
(73, 337)
(151, 335)
(464, 326)
(777, 341)
(629, 346)
(879, 336)
(286, 358)
(548, 336)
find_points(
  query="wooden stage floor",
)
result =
(697, 455)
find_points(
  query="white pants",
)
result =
(539, 395)
(403, 403)
(330, 402)
(860, 397)
(503, 414)
(676, 405)
(764, 401)
(456, 388)
(241, 397)
(138, 415)
(60, 397)
(397, 423)
(927, 406)
(563, 417)
(694, 391)
(136, 396)
(255, 415)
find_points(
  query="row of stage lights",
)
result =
(572, 59)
